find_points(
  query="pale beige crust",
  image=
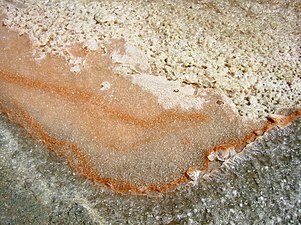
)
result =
(249, 50)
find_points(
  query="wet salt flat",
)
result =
(176, 106)
(37, 187)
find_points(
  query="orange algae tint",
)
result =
(120, 137)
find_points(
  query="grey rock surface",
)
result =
(263, 187)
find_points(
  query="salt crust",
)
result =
(248, 50)
(105, 86)
(170, 94)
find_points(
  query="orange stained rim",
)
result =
(79, 161)
(82, 166)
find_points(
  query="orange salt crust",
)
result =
(78, 122)
(82, 166)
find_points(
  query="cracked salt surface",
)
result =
(260, 187)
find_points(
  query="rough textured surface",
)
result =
(248, 49)
(36, 187)
(120, 137)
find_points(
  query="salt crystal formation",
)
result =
(249, 50)
(142, 100)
